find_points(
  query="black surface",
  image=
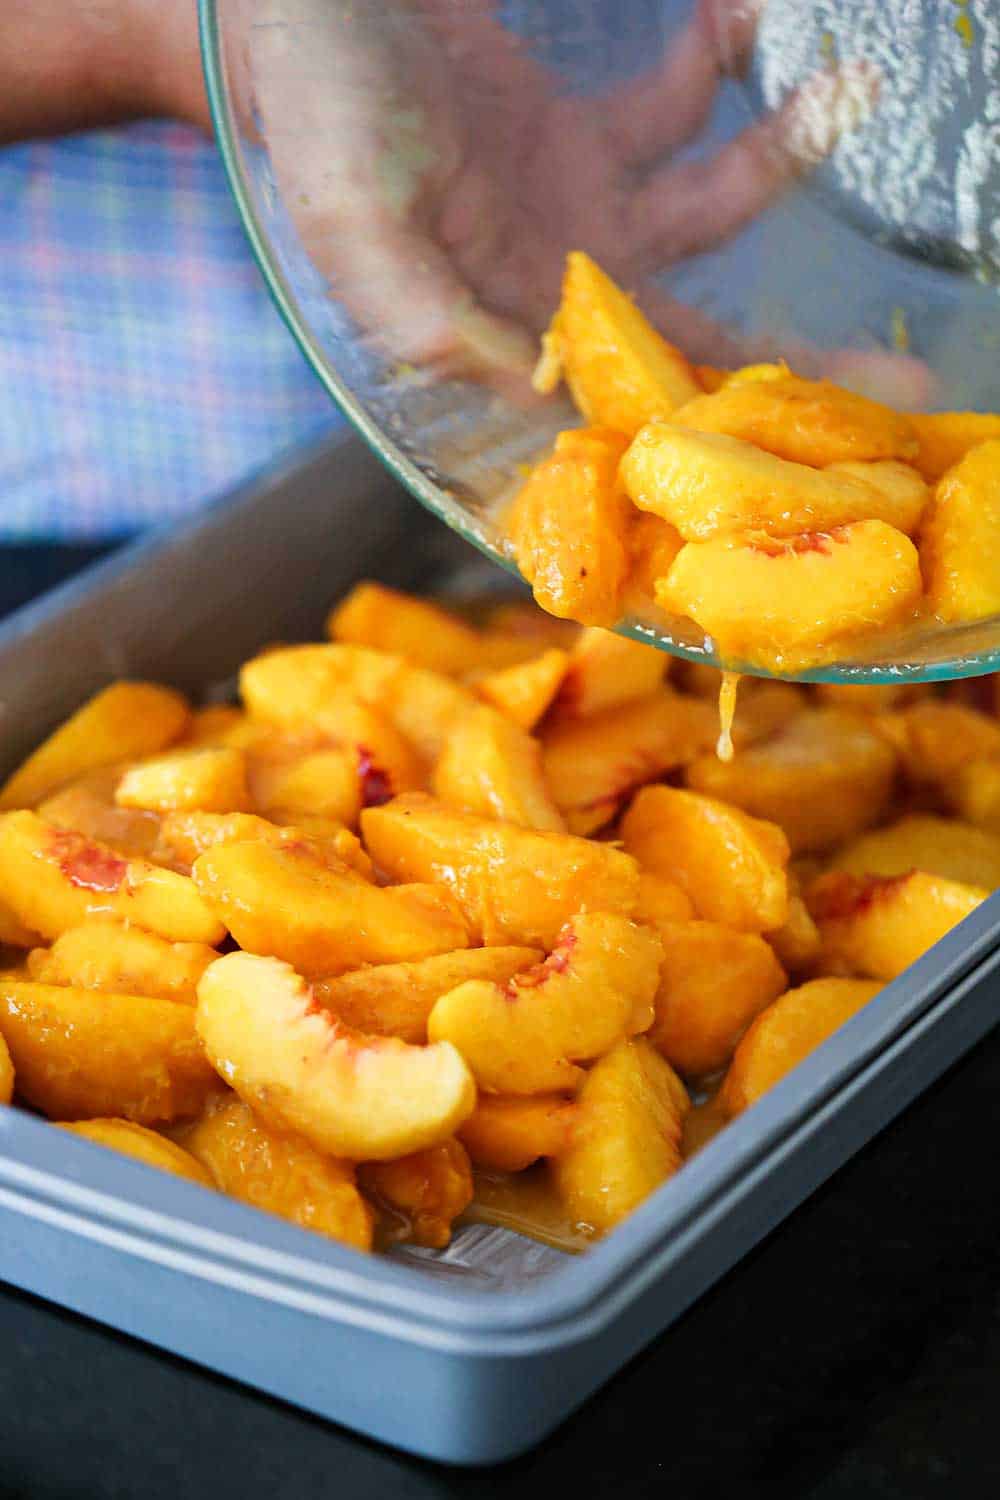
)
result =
(855, 1354)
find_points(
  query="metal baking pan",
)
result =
(473, 1355)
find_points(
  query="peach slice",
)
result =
(959, 548)
(207, 779)
(921, 841)
(710, 486)
(427, 1190)
(183, 836)
(806, 421)
(935, 739)
(286, 902)
(605, 670)
(13, 932)
(904, 492)
(786, 1032)
(825, 775)
(974, 794)
(620, 371)
(626, 1136)
(144, 1145)
(492, 768)
(652, 546)
(793, 604)
(525, 1037)
(525, 692)
(797, 942)
(514, 884)
(54, 879)
(88, 806)
(362, 1097)
(568, 524)
(593, 765)
(396, 999)
(300, 687)
(661, 900)
(122, 722)
(6, 1073)
(279, 1173)
(104, 954)
(83, 1053)
(732, 866)
(713, 983)
(506, 1133)
(880, 925)
(217, 724)
(424, 632)
(945, 438)
(322, 782)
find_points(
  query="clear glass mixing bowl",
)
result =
(411, 174)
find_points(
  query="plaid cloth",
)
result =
(142, 363)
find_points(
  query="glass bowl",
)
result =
(412, 173)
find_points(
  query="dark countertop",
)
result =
(855, 1354)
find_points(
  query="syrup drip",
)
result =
(727, 710)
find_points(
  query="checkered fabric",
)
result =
(142, 364)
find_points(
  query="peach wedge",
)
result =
(105, 954)
(506, 1133)
(525, 1037)
(879, 926)
(515, 885)
(144, 1145)
(81, 1053)
(923, 841)
(286, 902)
(209, 778)
(426, 1190)
(279, 1173)
(361, 1097)
(793, 604)
(491, 767)
(626, 1136)
(54, 879)
(959, 547)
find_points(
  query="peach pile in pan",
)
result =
(790, 519)
(452, 893)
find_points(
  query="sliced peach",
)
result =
(360, 759)
(491, 767)
(652, 546)
(568, 524)
(904, 492)
(626, 1136)
(732, 866)
(217, 724)
(710, 486)
(6, 1073)
(285, 901)
(506, 1133)
(144, 1145)
(713, 983)
(427, 1190)
(396, 999)
(807, 421)
(593, 765)
(104, 954)
(515, 885)
(427, 634)
(13, 932)
(88, 806)
(789, 605)
(362, 1097)
(53, 879)
(525, 1037)
(122, 722)
(620, 371)
(605, 670)
(83, 1053)
(323, 782)
(959, 546)
(974, 794)
(206, 779)
(825, 775)
(524, 692)
(797, 941)
(936, 738)
(280, 1173)
(661, 900)
(786, 1032)
(946, 436)
(921, 841)
(880, 925)
(186, 835)
(313, 686)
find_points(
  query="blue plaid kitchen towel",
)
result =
(143, 366)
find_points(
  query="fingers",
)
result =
(689, 208)
(668, 104)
